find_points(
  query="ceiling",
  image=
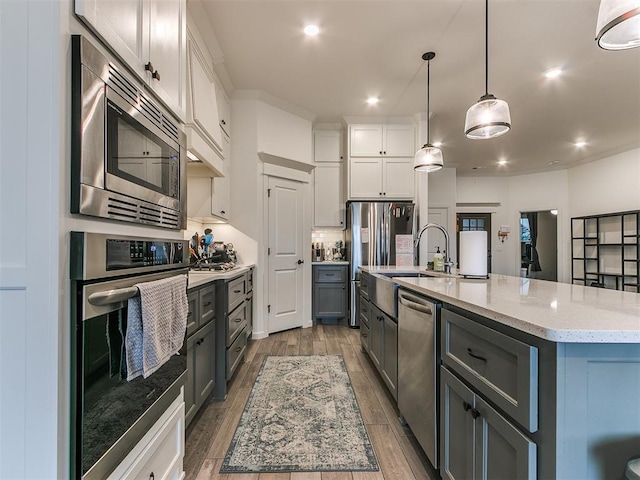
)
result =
(374, 48)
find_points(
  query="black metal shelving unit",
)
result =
(605, 250)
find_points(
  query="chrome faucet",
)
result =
(447, 260)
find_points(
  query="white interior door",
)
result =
(285, 257)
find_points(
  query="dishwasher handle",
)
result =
(415, 303)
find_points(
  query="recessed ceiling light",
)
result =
(553, 73)
(553, 162)
(311, 30)
(372, 100)
(502, 161)
(437, 144)
(580, 143)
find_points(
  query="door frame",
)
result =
(487, 218)
(304, 178)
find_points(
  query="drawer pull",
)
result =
(152, 476)
(364, 335)
(237, 291)
(238, 349)
(466, 406)
(207, 304)
(471, 354)
(189, 313)
(475, 413)
(238, 320)
(329, 274)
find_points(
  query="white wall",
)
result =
(605, 186)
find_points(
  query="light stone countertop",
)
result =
(558, 312)
(197, 278)
(331, 262)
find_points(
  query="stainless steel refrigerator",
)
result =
(378, 234)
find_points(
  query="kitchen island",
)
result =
(536, 379)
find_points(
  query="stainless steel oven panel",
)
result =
(89, 256)
(96, 299)
(92, 155)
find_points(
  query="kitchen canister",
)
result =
(473, 254)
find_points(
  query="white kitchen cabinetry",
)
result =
(150, 37)
(224, 109)
(329, 203)
(221, 190)
(381, 178)
(204, 136)
(328, 179)
(381, 141)
(327, 146)
(160, 453)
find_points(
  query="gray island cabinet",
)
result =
(538, 380)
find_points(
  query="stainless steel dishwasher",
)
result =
(418, 369)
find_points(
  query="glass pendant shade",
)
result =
(618, 26)
(428, 159)
(489, 118)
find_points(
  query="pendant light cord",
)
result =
(428, 79)
(486, 47)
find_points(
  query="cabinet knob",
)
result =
(148, 67)
(222, 212)
(475, 413)
(152, 476)
(384, 193)
(380, 193)
(384, 153)
(466, 406)
(156, 75)
(223, 122)
(300, 262)
(380, 152)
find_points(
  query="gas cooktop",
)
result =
(208, 267)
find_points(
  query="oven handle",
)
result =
(112, 296)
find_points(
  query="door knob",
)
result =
(300, 262)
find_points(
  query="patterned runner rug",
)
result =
(301, 416)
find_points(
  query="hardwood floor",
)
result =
(398, 454)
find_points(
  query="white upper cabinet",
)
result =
(328, 199)
(221, 194)
(150, 37)
(381, 178)
(381, 140)
(224, 109)
(327, 146)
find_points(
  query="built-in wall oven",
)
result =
(128, 154)
(110, 414)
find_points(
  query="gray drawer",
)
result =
(364, 285)
(502, 368)
(192, 313)
(250, 280)
(236, 321)
(236, 292)
(235, 353)
(365, 311)
(330, 274)
(365, 338)
(207, 304)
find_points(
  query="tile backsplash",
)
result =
(327, 237)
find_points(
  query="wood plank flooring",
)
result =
(399, 455)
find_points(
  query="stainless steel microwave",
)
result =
(128, 154)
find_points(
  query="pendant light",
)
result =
(618, 26)
(489, 117)
(428, 158)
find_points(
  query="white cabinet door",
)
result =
(365, 178)
(203, 104)
(366, 140)
(328, 201)
(224, 109)
(327, 146)
(398, 141)
(221, 195)
(123, 24)
(167, 52)
(398, 178)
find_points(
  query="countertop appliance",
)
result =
(418, 369)
(109, 414)
(378, 234)
(128, 154)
